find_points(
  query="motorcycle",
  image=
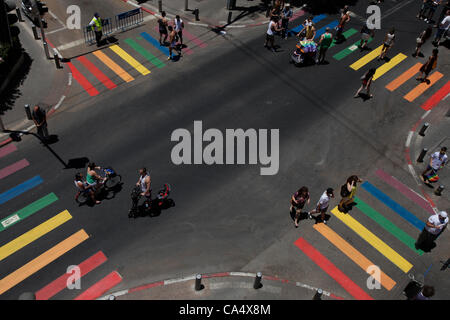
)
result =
(149, 206)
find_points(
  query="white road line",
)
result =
(298, 284)
(198, 24)
(59, 102)
(414, 174)
(57, 19)
(426, 114)
(70, 79)
(408, 140)
(242, 274)
(166, 282)
(446, 97)
(71, 44)
(54, 31)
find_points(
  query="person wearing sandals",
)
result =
(298, 201)
(348, 193)
(366, 82)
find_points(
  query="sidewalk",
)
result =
(222, 286)
(42, 84)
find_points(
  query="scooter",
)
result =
(149, 206)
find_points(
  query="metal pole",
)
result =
(28, 112)
(36, 37)
(198, 282)
(424, 128)
(318, 295)
(186, 5)
(2, 126)
(230, 13)
(19, 15)
(422, 155)
(196, 12)
(56, 57)
(257, 283)
(47, 54)
(439, 190)
(160, 5)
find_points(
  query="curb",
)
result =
(215, 275)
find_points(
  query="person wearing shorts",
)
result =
(298, 201)
(172, 42)
(387, 44)
(163, 23)
(428, 66)
(322, 205)
(324, 43)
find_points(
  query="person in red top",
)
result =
(298, 201)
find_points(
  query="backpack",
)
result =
(344, 191)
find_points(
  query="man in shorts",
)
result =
(437, 161)
(172, 42)
(322, 205)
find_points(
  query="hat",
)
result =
(443, 214)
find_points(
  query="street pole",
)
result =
(44, 42)
(2, 126)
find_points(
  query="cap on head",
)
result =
(443, 214)
(96, 15)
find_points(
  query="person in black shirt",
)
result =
(40, 120)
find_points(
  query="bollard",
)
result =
(36, 37)
(196, 13)
(198, 283)
(19, 15)
(318, 295)
(229, 16)
(257, 283)
(2, 126)
(46, 50)
(56, 57)
(112, 297)
(422, 155)
(186, 5)
(424, 128)
(160, 5)
(439, 190)
(28, 112)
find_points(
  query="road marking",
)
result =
(342, 54)
(405, 76)
(59, 102)
(113, 66)
(405, 214)
(129, 59)
(19, 165)
(56, 18)
(352, 288)
(408, 140)
(27, 211)
(373, 240)
(4, 151)
(97, 73)
(177, 280)
(366, 59)
(387, 225)
(71, 44)
(407, 192)
(389, 65)
(353, 254)
(347, 34)
(34, 234)
(155, 43)
(41, 261)
(186, 50)
(426, 114)
(61, 282)
(421, 88)
(147, 55)
(437, 97)
(322, 30)
(85, 84)
(21, 188)
(102, 286)
(413, 172)
(194, 39)
(316, 19)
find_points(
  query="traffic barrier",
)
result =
(89, 34)
(129, 19)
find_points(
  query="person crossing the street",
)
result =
(323, 204)
(324, 43)
(97, 25)
(172, 42)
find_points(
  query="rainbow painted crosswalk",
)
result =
(122, 63)
(391, 247)
(42, 228)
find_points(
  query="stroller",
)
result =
(304, 53)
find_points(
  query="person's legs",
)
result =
(359, 91)
(98, 37)
(322, 215)
(180, 34)
(45, 131)
(298, 211)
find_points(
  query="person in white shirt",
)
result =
(270, 34)
(323, 204)
(437, 161)
(433, 228)
(178, 26)
(443, 27)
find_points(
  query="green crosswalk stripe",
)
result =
(147, 55)
(387, 225)
(342, 54)
(27, 211)
(347, 34)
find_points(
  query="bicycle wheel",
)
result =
(82, 198)
(111, 182)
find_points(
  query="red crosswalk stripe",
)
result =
(97, 73)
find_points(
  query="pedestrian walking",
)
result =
(97, 25)
(324, 43)
(322, 205)
(443, 27)
(431, 10)
(162, 26)
(425, 294)
(387, 43)
(307, 23)
(270, 34)
(445, 8)
(298, 201)
(345, 17)
(437, 161)
(173, 43)
(423, 37)
(428, 66)
(348, 193)
(424, 9)
(366, 82)
(40, 120)
(366, 34)
(179, 26)
(433, 228)
(286, 14)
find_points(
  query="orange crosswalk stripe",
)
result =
(113, 66)
(421, 88)
(405, 76)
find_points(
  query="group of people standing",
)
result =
(173, 32)
(302, 197)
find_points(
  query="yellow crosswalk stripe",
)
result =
(41, 261)
(129, 59)
(373, 240)
(34, 234)
(113, 66)
(389, 65)
(367, 58)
